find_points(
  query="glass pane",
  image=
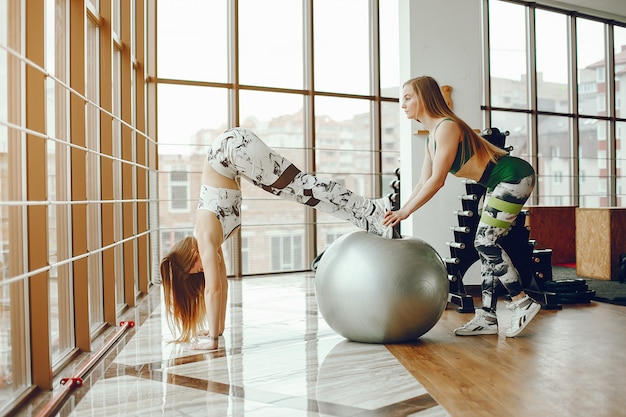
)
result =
(14, 356)
(390, 145)
(620, 102)
(344, 154)
(389, 49)
(4, 101)
(342, 44)
(7, 388)
(620, 163)
(51, 167)
(593, 167)
(193, 45)
(555, 162)
(507, 55)
(591, 68)
(92, 171)
(61, 305)
(517, 126)
(5, 342)
(283, 248)
(277, 119)
(552, 62)
(203, 116)
(116, 21)
(118, 218)
(620, 71)
(184, 134)
(343, 138)
(270, 45)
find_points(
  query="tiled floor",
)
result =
(279, 358)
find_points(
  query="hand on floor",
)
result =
(204, 333)
(204, 346)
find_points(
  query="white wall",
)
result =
(441, 39)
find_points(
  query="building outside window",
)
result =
(571, 118)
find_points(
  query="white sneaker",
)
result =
(482, 323)
(523, 312)
(375, 220)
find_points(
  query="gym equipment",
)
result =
(570, 291)
(395, 201)
(376, 290)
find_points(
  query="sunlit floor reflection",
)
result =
(278, 358)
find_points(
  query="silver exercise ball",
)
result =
(375, 290)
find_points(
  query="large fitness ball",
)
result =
(375, 290)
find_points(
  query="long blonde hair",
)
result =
(435, 105)
(183, 292)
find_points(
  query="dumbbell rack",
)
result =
(395, 201)
(462, 252)
(533, 266)
(516, 243)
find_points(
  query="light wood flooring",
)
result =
(569, 362)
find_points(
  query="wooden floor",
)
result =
(569, 362)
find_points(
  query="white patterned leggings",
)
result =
(501, 207)
(239, 152)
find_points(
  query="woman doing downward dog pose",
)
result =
(194, 273)
(452, 146)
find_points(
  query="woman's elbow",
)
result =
(211, 288)
(438, 183)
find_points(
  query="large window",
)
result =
(312, 81)
(14, 376)
(73, 143)
(562, 108)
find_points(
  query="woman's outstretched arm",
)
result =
(209, 236)
(434, 172)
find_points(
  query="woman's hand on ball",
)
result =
(392, 218)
